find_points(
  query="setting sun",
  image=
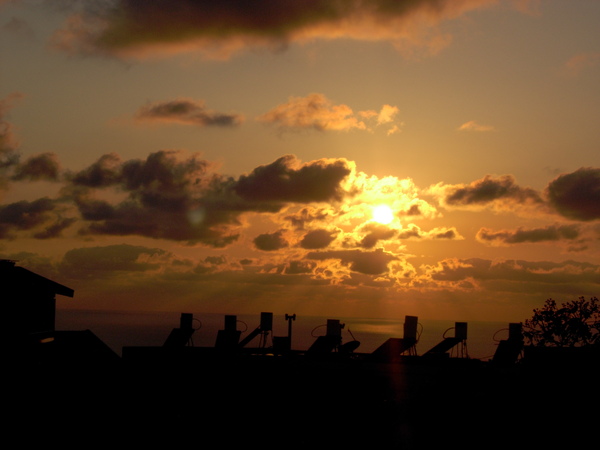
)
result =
(383, 214)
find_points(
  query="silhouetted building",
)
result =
(28, 301)
(28, 326)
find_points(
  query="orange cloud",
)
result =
(474, 126)
(315, 111)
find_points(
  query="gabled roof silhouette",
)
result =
(25, 279)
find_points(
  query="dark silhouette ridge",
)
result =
(245, 391)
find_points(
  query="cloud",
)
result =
(186, 112)
(576, 195)
(106, 171)
(271, 241)
(375, 233)
(168, 196)
(387, 115)
(175, 196)
(474, 126)
(505, 273)
(365, 262)
(288, 180)
(317, 239)
(44, 166)
(300, 267)
(444, 233)
(550, 233)
(42, 218)
(130, 28)
(582, 61)
(313, 111)
(307, 215)
(108, 261)
(500, 190)
(317, 112)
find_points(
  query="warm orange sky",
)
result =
(227, 157)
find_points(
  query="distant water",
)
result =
(119, 329)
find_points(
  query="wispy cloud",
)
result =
(551, 233)
(472, 125)
(581, 62)
(186, 112)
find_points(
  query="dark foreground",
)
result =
(203, 399)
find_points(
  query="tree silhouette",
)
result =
(573, 324)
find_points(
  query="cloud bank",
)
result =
(216, 29)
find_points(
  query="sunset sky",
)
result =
(229, 156)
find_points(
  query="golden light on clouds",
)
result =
(309, 162)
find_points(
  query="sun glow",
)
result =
(383, 214)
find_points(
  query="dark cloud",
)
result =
(169, 196)
(517, 271)
(108, 261)
(411, 232)
(104, 172)
(307, 215)
(450, 233)
(29, 216)
(378, 232)
(176, 196)
(369, 263)
(209, 264)
(286, 180)
(488, 190)
(54, 230)
(187, 112)
(375, 233)
(300, 267)
(271, 241)
(576, 195)
(547, 234)
(219, 28)
(412, 210)
(44, 166)
(317, 239)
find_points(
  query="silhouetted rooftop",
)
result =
(15, 276)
